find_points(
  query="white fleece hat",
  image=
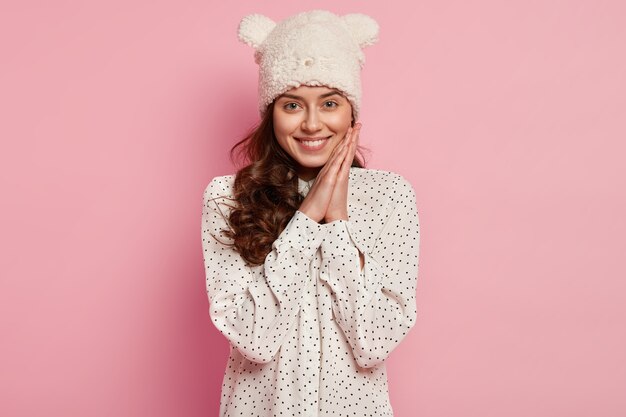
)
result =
(312, 48)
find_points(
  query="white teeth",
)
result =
(313, 143)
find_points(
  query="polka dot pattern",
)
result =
(309, 330)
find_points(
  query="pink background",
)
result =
(508, 117)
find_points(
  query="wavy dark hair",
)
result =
(265, 191)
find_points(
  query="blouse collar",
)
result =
(305, 186)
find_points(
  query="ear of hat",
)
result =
(316, 47)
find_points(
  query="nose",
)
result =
(311, 122)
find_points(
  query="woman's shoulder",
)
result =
(220, 186)
(373, 178)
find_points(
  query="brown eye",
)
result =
(335, 104)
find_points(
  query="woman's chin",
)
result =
(312, 162)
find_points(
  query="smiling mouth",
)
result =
(313, 142)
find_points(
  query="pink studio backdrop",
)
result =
(507, 117)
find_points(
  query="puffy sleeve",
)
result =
(375, 307)
(255, 307)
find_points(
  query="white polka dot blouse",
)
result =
(309, 331)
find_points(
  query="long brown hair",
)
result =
(265, 191)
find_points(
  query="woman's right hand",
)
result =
(318, 198)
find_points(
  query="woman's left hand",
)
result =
(338, 206)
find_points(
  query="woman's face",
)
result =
(305, 113)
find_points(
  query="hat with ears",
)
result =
(314, 48)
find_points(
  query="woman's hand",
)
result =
(318, 199)
(338, 206)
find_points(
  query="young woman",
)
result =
(311, 258)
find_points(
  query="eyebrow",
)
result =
(301, 98)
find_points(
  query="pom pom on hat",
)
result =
(363, 28)
(312, 48)
(254, 28)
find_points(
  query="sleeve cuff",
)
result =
(302, 233)
(339, 236)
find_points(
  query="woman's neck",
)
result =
(308, 174)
